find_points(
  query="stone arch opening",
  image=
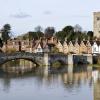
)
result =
(33, 61)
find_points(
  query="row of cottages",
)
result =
(35, 46)
(79, 47)
(17, 44)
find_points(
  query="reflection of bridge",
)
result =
(45, 58)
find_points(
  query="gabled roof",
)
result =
(98, 43)
(91, 42)
(85, 42)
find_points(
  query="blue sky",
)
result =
(24, 15)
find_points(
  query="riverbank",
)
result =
(95, 65)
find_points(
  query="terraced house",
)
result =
(45, 45)
(79, 47)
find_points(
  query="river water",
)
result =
(77, 83)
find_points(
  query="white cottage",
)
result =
(95, 48)
(38, 49)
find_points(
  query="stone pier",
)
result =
(90, 59)
(70, 59)
(46, 59)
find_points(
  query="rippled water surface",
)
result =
(81, 83)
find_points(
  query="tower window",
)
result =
(98, 18)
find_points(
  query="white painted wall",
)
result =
(39, 49)
(95, 48)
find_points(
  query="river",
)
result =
(80, 83)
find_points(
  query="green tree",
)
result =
(90, 35)
(6, 31)
(61, 35)
(69, 30)
(1, 43)
(35, 35)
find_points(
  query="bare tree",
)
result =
(77, 28)
(49, 31)
(38, 29)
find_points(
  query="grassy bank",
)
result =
(95, 65)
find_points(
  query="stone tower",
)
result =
(96, 24)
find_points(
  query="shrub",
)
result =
(11, 50)
(56, 65)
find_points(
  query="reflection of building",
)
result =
(97, 90)
(95, 75)
(96, 78)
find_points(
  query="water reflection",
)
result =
(70, 83)
(96, 78)
(19, 66)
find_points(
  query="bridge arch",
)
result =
(35, 58)
(58, 57)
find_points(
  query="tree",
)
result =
(61, 35)
(1, 43)
(6, 30)
(49, 31)
(38, 29)
(69, 30)
(77, 28)
(90, 34)
(35, 35)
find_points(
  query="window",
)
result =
(98, 18)
(39, 49)
(94, 49)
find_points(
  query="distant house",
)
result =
(83, 47)
(89, 47)
(76, 47)
(40, 46)
(95, 47)
(59, 46)
(38, 49)
(65, 47)
(71, 47)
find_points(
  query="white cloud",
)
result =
(21, 15)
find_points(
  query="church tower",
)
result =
(96, 24)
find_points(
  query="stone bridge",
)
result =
(46, 59)
(36, 58)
